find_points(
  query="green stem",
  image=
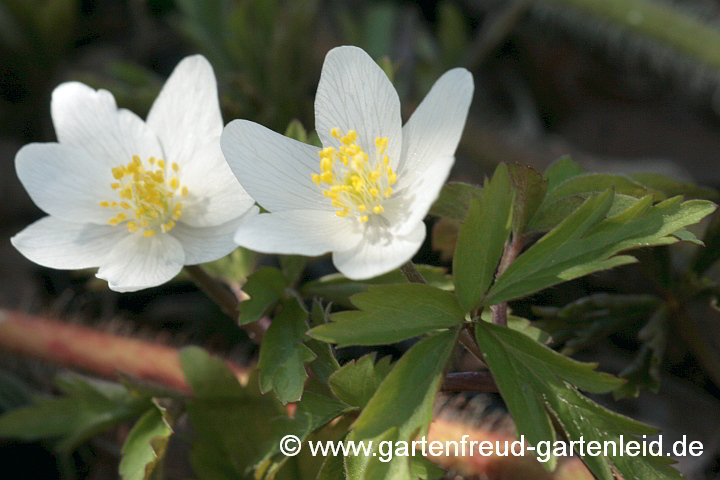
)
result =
(411, 273)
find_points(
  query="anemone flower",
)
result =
(363, 196)
(138, 199)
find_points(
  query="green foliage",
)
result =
(392, 313)
(539, 384)
(481, 240)
(325, 363)
(356, 382)
(454, 200)
(226, 417)
(587, 242)
(87, 407)
(265, 287)
(145, 445)
(530, 188)
(338, 289)
(283, 355)
(401, 407)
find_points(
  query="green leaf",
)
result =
(292, 267)
(325, 364)
(561, 170)
(644, 372)
(145, 445)
(231, 421)
(535, 381)
(392, 313)
(672, 188)
(550, 214)
(265, 288)
(338, 289)
(454, 200)
(356, 382)
(587, 242)
(87, 408)
(522, 325)
(530, 189)
(586, 320)
(296, 131)
(597, 182)
(283, 355)
(401, 408)
(481, 240)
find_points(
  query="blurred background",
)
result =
(620, 85)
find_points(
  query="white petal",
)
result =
(210, 243)
(65, 182)
(274, 169)
(54, 243)
(379, 254)
(215, 195)
(355, 94)
(299, 232)
(186, 113)
(138, 262)
(89, 119)
(434, 129)
(409, 206)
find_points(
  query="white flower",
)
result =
(364, 195)
(137, 199)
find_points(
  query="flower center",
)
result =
(147, 200)
(357, 184)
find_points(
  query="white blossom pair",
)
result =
(141, 199)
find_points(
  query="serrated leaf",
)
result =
(338, 289)
(587, 242)
(481, 240)
(530, 188)
(454, 200)
(561, 170)
(265, 288)
(145, 445)
(401, 408)
(391, 313)
(87, 408)
(356, 382)
(535, 382)
(283, 354)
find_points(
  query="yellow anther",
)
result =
(355, 179)
(144, 193)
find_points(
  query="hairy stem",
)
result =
(228, 302)
(103, 354)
